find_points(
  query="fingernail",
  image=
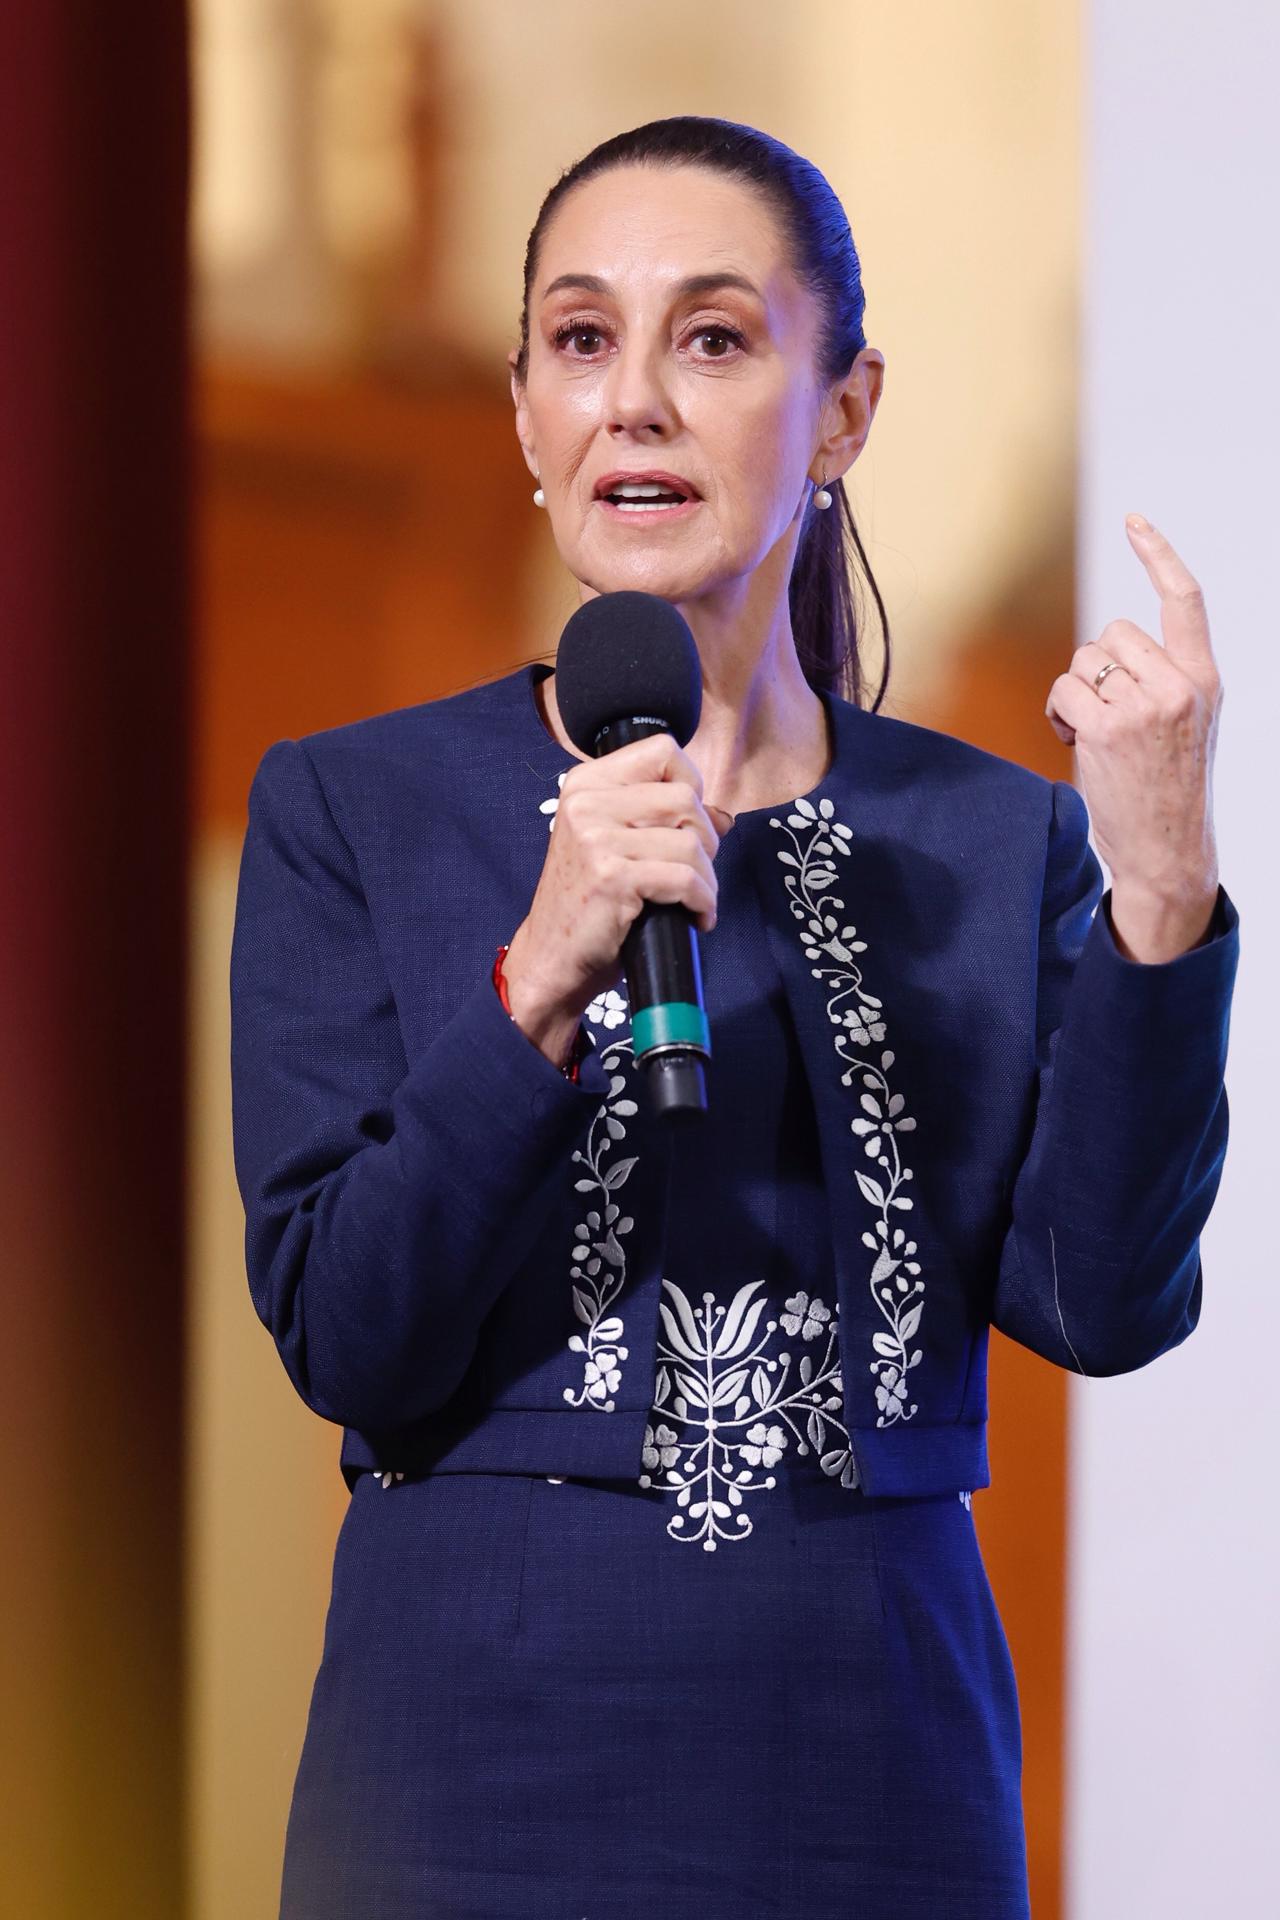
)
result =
(1139, 525)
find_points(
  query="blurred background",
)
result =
(261, 269)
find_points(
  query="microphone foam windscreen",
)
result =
(626, 654)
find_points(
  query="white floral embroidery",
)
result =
(858, 1017)
(966, 1500)
(389, 1476)
(608, 1009)
(739, 1407)
(599, 1261)
(598, 1269)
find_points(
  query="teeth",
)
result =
(638, 490)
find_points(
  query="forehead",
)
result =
(667, 223)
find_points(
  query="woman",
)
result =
(659, 1590)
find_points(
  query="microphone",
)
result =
(627, 666)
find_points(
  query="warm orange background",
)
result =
(258, 476)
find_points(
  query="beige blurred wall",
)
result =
(951, 135)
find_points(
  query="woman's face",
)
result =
(668, 335)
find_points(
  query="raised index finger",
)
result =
(1184, 622)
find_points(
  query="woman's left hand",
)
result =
(1145, 739)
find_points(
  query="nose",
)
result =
(636, 395)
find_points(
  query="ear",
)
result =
(524, 431)
(850, 409)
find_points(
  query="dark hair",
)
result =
(824, 613)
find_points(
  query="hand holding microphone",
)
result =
(628, 875)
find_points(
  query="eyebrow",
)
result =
(694, 284)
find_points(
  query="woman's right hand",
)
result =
(630, 827)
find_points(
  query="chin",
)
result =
(651, 572)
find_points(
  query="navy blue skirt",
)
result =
(535, 1700)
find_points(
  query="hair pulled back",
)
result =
(824, 612)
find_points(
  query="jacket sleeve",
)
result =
(1100, 1265)
(387, 1200)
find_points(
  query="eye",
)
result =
(572, 328)
(578, 329)
(724, 333)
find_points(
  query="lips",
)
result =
(670, 483)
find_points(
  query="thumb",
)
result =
(721, 820)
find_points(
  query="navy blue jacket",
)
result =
(1019, 1126)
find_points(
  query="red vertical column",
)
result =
(94, 809)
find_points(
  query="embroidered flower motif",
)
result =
(659, 1449)
(805, 1317)
(966, 1500)
(598, 1267)
(388, 1477)
(763, 1446)
(858, 1017)
(598, 1262)
(608, 1009)
(737, 1404)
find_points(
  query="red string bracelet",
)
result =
(579, 1047)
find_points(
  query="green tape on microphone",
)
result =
(672, 1023)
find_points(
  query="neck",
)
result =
(762, 732)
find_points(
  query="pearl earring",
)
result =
(823, 498)
(539, 498)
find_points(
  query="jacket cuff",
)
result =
(508, 1082)
(1186, 999)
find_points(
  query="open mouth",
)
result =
(646, 499)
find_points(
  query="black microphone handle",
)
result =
(671, 1039)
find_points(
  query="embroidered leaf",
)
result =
(689, 1325)
(746, 1332)
(728, 1388)
(618, 1172)
(885, 1344)
(761, 1387)
(585, 1186)
(740, 1406)
(677, 1340)
(662, 1387)
(733, 1318)
(870, 1189)
(583, 1307)
(806, 1369)
(909, 1322)
(788, 859)
(610, 1330)
(694, 1389)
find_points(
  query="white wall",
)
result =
(1175, 1675)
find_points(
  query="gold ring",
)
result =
(1102, 673)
